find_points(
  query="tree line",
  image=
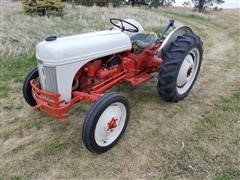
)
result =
(46, 7)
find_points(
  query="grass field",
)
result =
(197, 138)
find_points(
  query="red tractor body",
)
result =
(95, 79)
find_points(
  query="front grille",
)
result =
(48, 78)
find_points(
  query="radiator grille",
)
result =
(48, 78)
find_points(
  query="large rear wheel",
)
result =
(105, 122)
(180, 67)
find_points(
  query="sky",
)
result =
(227, 4)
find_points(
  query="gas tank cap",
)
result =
(51, 38)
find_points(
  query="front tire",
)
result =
(27, 89)
(179, 70)
(106, 122)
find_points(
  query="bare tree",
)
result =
(166, 2)
(201, 5)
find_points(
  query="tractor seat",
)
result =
(144, 40)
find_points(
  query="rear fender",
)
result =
(173, 37)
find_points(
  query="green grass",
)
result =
(218, 129)
(53, 148)
(37, 123)
(16, 69)
(228, 174)
(14, 72)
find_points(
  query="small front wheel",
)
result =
(105, 122)
(27, 89)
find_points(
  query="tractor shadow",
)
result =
(138, 95)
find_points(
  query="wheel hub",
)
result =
(112, 124)
(189, 72)
(185, 71)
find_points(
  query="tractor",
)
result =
(80, 68)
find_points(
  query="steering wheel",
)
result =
(122, 27)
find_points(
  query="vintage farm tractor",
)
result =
(82, 67)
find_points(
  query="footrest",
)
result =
(139, 79)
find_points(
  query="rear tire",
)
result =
(179, 70)
(105, 123)
(27, 89)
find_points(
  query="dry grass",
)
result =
(21, 32)
(197, 138)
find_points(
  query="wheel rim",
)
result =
(110, 124)
(188, 71)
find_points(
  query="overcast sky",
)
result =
(227, 4)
